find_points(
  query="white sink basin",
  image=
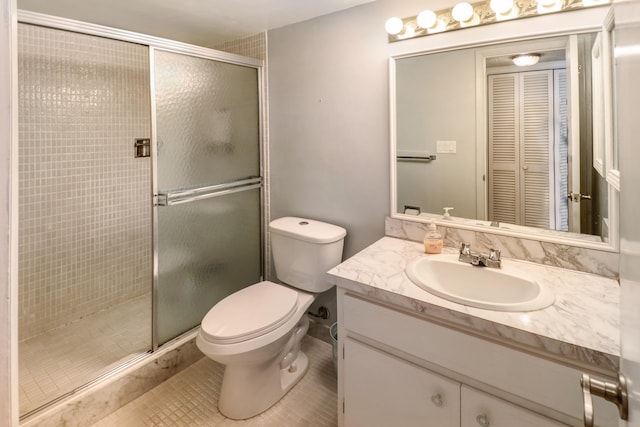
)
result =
(506, 289)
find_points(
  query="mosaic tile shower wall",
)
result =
(254, 46)
(85, 201)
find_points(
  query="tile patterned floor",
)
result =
(58, 361)
(190, 398)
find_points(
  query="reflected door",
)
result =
(521, 149)
(208, 186)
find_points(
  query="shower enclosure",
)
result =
(140, 189)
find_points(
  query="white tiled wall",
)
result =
(254, 46)
(85, 201)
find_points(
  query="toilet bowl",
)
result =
(256, 332)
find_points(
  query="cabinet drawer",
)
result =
(383, 390)
(533, 378)
(479, 409)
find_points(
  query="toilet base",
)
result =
(290, 377)
(246, 393)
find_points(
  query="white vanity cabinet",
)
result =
(384, 390)
(401, 368)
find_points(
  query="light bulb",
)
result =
(546, 6)
(426, 19)
(462, 12)
(501, 7)
(394, 25)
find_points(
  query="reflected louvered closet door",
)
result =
(504, 147)
(521, 135)
(536, 154)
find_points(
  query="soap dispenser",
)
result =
(432, 240)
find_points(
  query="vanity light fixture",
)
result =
(465, 15)
(526, 59)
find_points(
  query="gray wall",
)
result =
(328, 125)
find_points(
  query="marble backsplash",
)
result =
(603, 263)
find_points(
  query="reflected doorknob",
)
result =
(612, 392)
(525, 167)
(577, 197)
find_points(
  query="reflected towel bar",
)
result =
(425, 159)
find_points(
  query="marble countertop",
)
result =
(582, 325)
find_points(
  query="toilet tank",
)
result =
(304, 250)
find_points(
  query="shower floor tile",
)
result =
(60, 360)
(190, 398)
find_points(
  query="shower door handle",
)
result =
(178, 197)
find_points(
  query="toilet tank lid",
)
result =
(308, 230)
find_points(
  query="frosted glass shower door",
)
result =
(208, 186)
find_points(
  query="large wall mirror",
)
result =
(518, 149)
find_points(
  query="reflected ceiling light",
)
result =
(427, 19)
(394, 25)
(526, 59)
(462, 12)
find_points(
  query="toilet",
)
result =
(256, 332)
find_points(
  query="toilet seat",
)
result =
(251, 312)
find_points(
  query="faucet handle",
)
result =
(465, 249)
(494, 254)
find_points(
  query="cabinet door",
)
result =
(382, 390)
(479, 409)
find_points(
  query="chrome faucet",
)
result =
(492, 260)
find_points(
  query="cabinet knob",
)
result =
(483, 420)
(437, 400)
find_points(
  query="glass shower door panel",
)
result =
(208, 179)
(207, 250)
(208, 127)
